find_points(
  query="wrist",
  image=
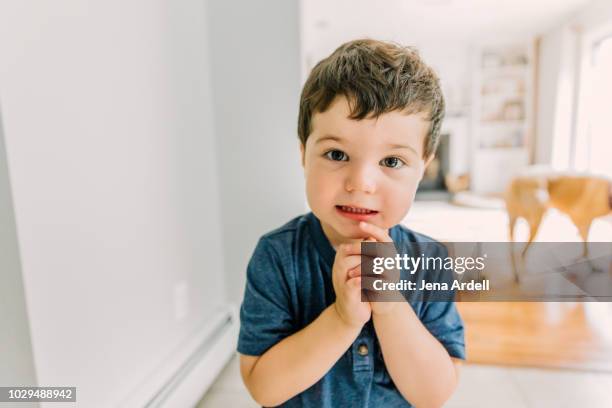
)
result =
(383, 309)
(344, 320)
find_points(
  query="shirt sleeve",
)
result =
(444, 323)
(265, 313)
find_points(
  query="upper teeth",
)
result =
(356, 210)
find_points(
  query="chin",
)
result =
(354, 235)
(350, 232)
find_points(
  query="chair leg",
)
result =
(534, 226)
(583, 230)
(511, 224)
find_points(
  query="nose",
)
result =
(361, 178)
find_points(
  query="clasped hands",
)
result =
(347, 280)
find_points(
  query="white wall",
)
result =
(559, 70)
(553, 50)
(108, 126)
(17, 366)
(256, 71)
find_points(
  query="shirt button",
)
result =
(363, 350)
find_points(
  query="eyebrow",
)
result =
(329, 137)
(339, 139)
(399, 146)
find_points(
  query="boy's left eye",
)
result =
(392, 162)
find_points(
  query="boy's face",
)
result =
(362, 170)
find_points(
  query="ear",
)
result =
(427, 163)
(429, 160)
(302, 151)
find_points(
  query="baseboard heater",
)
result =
(194, 370)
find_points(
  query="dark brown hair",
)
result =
(376, 77)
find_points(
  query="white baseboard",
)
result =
(184, 378)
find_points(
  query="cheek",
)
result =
(398, 197)
(321, 186)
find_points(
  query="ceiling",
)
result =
(327, 23)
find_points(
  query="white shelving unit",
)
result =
(502, 95)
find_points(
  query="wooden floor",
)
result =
(545, 335)
(541, 335)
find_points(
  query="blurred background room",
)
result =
(145, 146)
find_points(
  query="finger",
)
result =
(351, 261)
(354, 283)
(354, 272)
(376, 283)
(377, 293)
(353, 248)
(344, 266)
(379, 234)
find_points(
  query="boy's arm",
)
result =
(419, 365)
(301, 359)
(298, 361)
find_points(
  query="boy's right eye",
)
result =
(336, 155)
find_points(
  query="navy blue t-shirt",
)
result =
(289, 285)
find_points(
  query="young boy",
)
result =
(369, 124)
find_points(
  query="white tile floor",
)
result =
(480, 386)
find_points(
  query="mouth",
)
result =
(356, 213)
